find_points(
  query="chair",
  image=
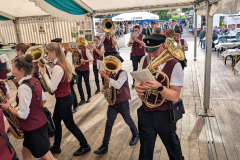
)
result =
(222, 40)
(238, 34)
(234, 41)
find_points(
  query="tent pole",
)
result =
(195, 35)
(16, 30)
(93, 27)
(207, 72)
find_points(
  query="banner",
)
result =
(88, 35)
(74, 32)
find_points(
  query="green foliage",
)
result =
(163, 14)
(96, 23)
(186, 9)
(178, 17)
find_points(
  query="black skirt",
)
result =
(37, 141)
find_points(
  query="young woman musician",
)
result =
(21, 49)
(83, 71)
(60, 84)
(98, 51)
(30, 114)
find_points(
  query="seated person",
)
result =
(233, 30)
(216, 29)
(223, 30)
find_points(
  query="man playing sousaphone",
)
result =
(82, 68)
(138, 50)
(117, 93)
(154, 117)
(109, 40)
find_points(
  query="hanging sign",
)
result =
(41, 29)
(74, 32)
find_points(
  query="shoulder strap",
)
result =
(148, 59)
(182, 42)
(32, 87)
(7, 142)
(118, 73)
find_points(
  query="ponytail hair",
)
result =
(22, 47)
(53, 46)
(26, 63)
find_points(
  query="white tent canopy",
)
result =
(19, 8)
(135, 16)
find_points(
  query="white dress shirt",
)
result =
(7, 88)
(88, 54)
(56, 77)
(25, 98)
(177, 72)
(68, 57)
(102, 48)
(117, 84)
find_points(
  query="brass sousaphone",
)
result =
(173, 50)
(112, 64)
(108, 26)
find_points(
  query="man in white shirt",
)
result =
(157, 120)
(68, 56)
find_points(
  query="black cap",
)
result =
(152, 22)
(153, 42)
(116, 54)
(173, 20)
(57, 40)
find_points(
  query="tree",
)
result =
(163, 14)
(186, 9)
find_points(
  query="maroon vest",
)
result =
(36, 70)
(4, 151)
(63, 88)
(3, 68)
(181, 41)
(124, 94)
(108, 45)
(96, 56)
(3, 88)
(136, 51)
(84, 67)
(65, 52)
(167, 69)
(36, 117)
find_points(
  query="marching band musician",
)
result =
(119, 81)
(109, 42)
(68, 56)
(5, 67)
(7, 151)
(60, 84)
(138, 50)
(153, 121)
(98, 51)
(30, 115)
(21, 49)
(83, 71)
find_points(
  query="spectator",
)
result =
(223, 30)
(232, 30)
(216, 29)
(214, 36)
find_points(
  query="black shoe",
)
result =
(75, 109)
(81, 102)
(82, 151)
(97, 91)
(134, 140)
(55, 150)
(88, 100)
(102, 150)
(51, 134)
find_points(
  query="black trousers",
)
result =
(63, 111)
(135, 61)
(96, 74)
(85, 75)
(158, 122)
(123, 109)
(75, 101)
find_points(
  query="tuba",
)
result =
(173, 50)
(108, 26)
(77, 54)
(112, 64)
(13, 121)
(38, 56)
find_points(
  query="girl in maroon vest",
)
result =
(30, 114)
(83, 72)
(138, 50)
(4, 67)
(21, 49)
(60, 84)
(119, 81)
(98, 51)
(182, 42)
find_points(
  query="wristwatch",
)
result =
(160, 88)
